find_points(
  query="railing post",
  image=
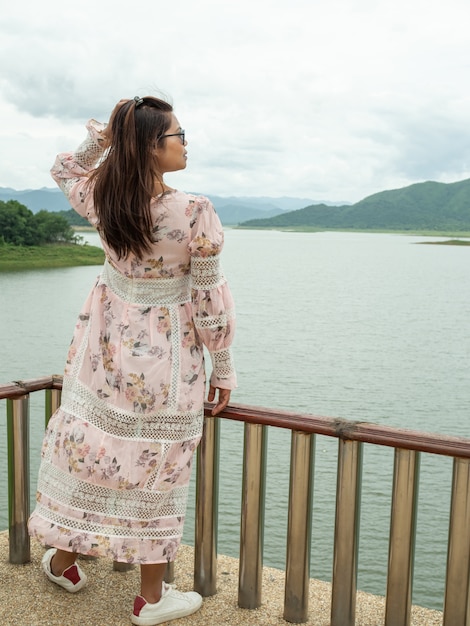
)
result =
(207, 488)
(299, 527)
(252, 517)
(53, 397)
(402, 537)
(348, 505)
(18, 478)
(457, 593)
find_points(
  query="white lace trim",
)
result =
(66, 184)
(88, 153)
(146, 291)
(215, 321)
(222, 363)
(134, 504)
(206, 273)
(173, 394)
(109, 530)
(167, 425)
(86, 156)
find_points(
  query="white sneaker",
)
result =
(172, 605)
(72, 579)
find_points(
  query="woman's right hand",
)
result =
(223, 399)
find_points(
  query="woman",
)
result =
(117, 454)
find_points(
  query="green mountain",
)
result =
(422, 206)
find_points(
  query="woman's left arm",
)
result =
(71, 169)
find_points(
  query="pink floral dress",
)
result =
(117, 454)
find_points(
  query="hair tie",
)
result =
(138, 101)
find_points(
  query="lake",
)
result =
(370, 327)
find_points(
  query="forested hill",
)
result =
(423, 206)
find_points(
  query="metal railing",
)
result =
(351, 436)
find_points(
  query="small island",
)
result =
(449, 242)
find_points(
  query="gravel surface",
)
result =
(27, 598)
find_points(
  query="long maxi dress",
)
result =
(117, 454)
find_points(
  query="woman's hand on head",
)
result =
(104, 138)
(221, 402)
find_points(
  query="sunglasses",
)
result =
(180, 134)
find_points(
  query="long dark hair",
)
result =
(125, 182)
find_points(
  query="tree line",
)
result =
(21, 227)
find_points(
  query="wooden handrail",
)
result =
(366, 432)
(407, 439)
(18, 388)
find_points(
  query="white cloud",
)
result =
(329, 100)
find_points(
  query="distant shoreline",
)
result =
(412, 233)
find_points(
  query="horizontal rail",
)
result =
(366, 432)
(20, 388)
(353, 431)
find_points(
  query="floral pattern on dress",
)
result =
(117, 455)
(205, 247)
(140, 393)
(190, 340)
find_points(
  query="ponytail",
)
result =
(124, 183)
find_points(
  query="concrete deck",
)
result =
(27, 598)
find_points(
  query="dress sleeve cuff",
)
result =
(223, 369)
(91, 150)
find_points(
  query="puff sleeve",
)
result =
(212, 302)
(71, 170)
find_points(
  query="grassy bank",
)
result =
(14, 258)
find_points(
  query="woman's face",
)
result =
(172, 157)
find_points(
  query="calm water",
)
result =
(362, 326)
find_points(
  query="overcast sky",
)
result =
(327, 100)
